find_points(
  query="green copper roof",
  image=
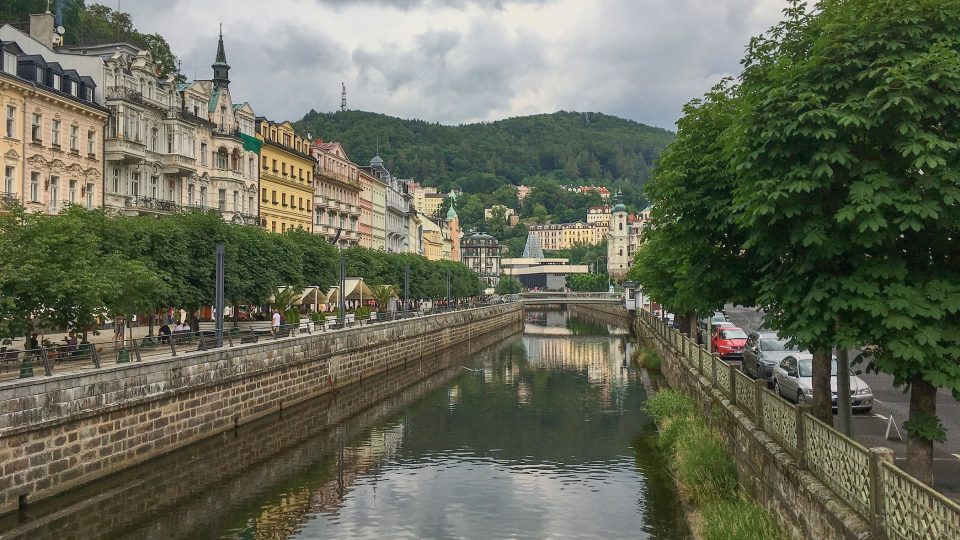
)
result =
(451, 213)
(214, 98)
(619, 208)
(251, 144)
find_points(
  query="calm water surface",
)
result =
(540, 436)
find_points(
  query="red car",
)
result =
(729, 342)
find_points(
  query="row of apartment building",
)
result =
(94, 125)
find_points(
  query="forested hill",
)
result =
(566, 145)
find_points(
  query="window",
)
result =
(57, 83)
(264, 196)
(283, 199)
(35, 187)
(116, 180)
(273, 226)
(154, 182)
(37, 129)
(171, 148)
(154, 135)
(203, 153)
(222, 159)
(8, 180)
(301, 203)
(54, 190)
(11, 120)
(265, 162)
(236, 201)
(274, 165)
(283, 167)
(74, 138)
(223, 118)
(89, 94)
(40, 78)
(135, 184)
(222, 199)
(190, 197)
(203, 196)
(89, 196)
(250, 171)
(55, 133)
(250, 204)
(283, 227)
(72, 197)
(274, 197)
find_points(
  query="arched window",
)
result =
(223, 118)
(621, 228)
(621, 252)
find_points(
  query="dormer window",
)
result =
(74, 88)
(40, 75)
(89, 95)
(10, 62)
(57, 82)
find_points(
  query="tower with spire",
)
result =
(221, 70)
(453, 221)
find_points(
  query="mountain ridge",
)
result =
(566, 145)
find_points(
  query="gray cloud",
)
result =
(465, 60)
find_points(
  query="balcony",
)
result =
(354, 210)
(228, 174)
(322, 202)
(151, 205)
(227, 133)
(123, 149)
(326, 174)
(178, 164)
(124, 93)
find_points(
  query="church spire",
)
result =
(221, 70)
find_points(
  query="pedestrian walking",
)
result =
(118, 329)
(276, 322)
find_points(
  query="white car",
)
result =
(792, 379)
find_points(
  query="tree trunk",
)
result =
(150, 320)
(923, 404)
(844, 409)
(236, 315)
(822, 395)
(690, 324)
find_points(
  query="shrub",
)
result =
(362, 312)
(292, 316)
(318, 317)
(647, 357)
(670, 430)
(737, 519)
(668, 404)
(702, 464)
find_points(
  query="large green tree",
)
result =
(692, 258)
(850, 184)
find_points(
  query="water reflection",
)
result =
(539, 436)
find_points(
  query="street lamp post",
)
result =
(448, 290)
(406, 289)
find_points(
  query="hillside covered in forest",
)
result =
(568, 146)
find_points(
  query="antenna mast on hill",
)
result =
(343, 97)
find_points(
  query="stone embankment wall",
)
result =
(258, 457)
(60, 432)
(815, 481)
(602, 313)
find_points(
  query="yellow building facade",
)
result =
(286, 177)
(51, 143)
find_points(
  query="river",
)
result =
(540, 436)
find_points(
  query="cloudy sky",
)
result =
(456, 61)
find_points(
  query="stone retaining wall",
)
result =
(259, 457)
(60, 432)
(602, 313)
(802, 505)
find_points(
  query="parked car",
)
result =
(763, 352)
(728, 342)
(792, 379)
(717, 319)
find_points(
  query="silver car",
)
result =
(764, 350)
(792, 379)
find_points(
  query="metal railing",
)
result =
(77, 357)
(894, 503)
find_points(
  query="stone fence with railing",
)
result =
(817, 482)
